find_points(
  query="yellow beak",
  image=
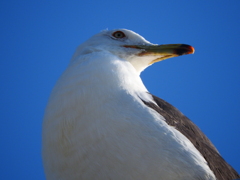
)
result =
(164, 51)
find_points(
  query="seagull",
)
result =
(102, 123)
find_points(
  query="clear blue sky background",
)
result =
(38, 39)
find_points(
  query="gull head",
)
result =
(131, 47)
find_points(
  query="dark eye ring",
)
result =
(118, 34)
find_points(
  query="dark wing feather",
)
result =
(221, 169)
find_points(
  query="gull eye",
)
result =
(118, 34)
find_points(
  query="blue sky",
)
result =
(38, 39)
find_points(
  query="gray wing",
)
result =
(221, 169)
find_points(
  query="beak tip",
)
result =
(184, 49)
(192, 50)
